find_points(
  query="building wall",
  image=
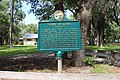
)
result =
(29, 41)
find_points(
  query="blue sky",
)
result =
(30, 18)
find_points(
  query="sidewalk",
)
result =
(7, 75)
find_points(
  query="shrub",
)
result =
(89, 61)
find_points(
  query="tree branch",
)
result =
(114, 13)
(70, 10)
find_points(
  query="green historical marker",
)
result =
(59, 34)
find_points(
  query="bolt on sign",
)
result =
(59, 34)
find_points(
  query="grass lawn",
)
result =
(5, 50)
(101, 68)
(20, 49)
(106, 69)
(107, 47)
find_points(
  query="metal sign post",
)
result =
(59, 58)
(60, 65)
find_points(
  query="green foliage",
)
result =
(22, 27)
(101, 68)
(43, 9)
(29, 28)
(72, 5)
(4, 21)
(112, 32)
(32, 28)
(89, 61)
(109, 23)
(19, 15)
(5, 50)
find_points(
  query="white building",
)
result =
(30, 39)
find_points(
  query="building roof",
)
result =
(30, 36)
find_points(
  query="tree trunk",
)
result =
(11, 23)
(76, 58)
(100, 30)
(59, 6)
(1, 40)
(84, 15)
(91, 35)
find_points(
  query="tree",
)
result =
(99, 12)
(11, 22)
(82, 10)
(113, 21)
(114, 10)
(31, 28)
(104, 12)
(5, 20)
(112, 32)
(17, 15)
(84, 15)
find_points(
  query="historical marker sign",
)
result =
(59, 36)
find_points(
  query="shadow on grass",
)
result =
(26, 64)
